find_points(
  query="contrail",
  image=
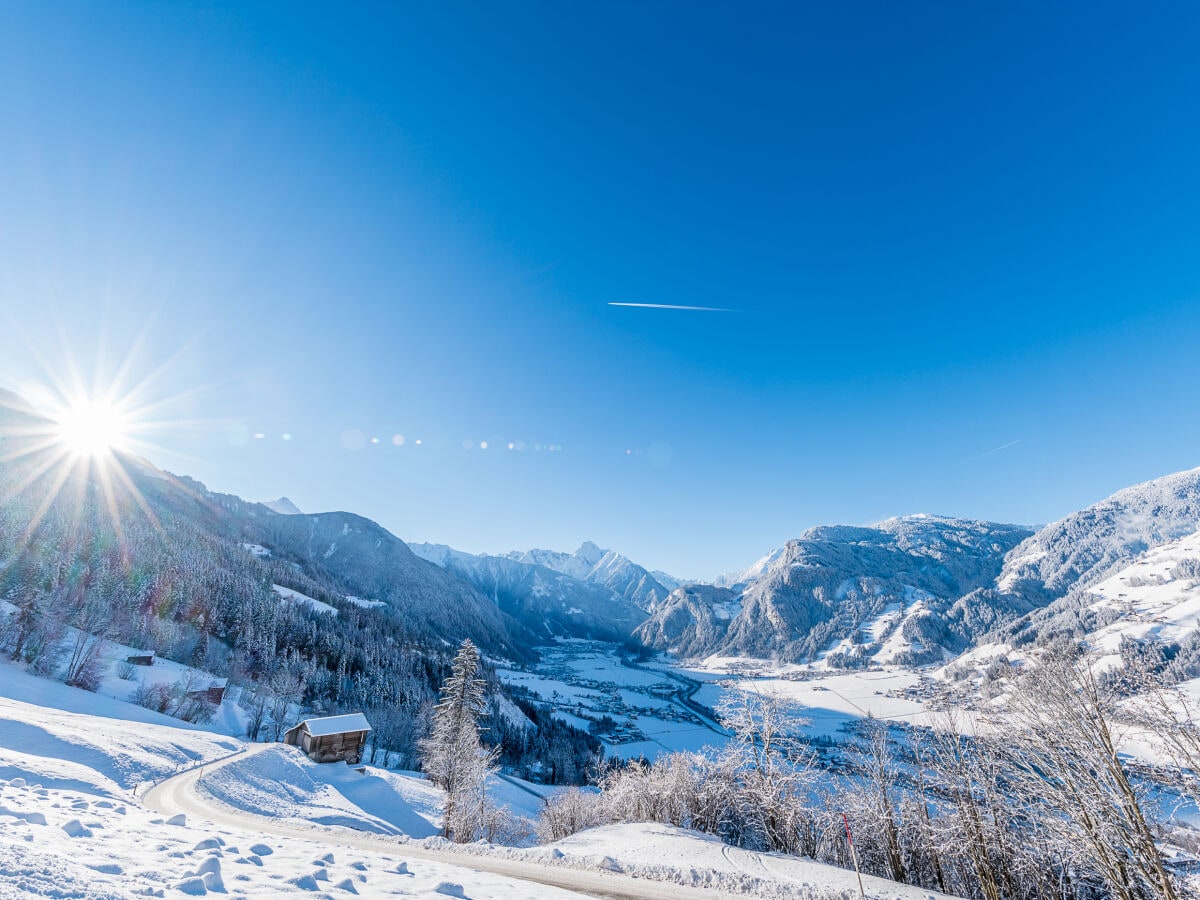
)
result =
(671, 306)
(995, 450)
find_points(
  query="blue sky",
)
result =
(945, 229)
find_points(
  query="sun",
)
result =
(91, 428)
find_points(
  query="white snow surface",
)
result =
(292, 596)
(327, 725)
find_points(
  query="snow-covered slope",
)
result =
(1155, 599)
(75, 767)
(366, 560)
(1087, 546)
(79, 818)
(1055, 570)
(691, 621)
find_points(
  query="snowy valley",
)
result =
(631, 734)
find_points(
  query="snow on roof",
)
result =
(336, 724)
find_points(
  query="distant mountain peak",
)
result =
(284, 507)
(590, 552)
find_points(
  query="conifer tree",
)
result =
(453, 756)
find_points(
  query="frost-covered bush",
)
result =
(567, 812)
(176, 700)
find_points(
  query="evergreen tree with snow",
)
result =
(453, 756)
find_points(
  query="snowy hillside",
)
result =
(1056, 568)
(1088, 545)
(365, 560)
(73, 823)
(1155, 599)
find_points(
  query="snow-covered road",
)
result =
(178, 794)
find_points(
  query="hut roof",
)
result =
(336, 724)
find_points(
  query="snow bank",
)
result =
(46, 736)
(282, 782)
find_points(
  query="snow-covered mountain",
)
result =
(284, 507)
(692, 621)
(548, 602)
(843, 594)
(738, 580)
(1146, 611)
(913, 589)
(366, 560)
(603, 567)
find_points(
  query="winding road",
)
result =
(178, 794)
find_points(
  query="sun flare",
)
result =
(91, 428)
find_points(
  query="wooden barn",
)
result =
(332, 738)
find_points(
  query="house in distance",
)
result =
(331, 739)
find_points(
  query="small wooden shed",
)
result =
(214, 693)
(332, 738)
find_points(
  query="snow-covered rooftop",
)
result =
(336, 724)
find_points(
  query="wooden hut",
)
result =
(214, 693)
(332, 738)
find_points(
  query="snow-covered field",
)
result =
(831, 702)
(78, 769)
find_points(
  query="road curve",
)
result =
(178, 794)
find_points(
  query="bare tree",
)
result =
(84, 664)
(1063, 758)
(878, 795)
(1172, 717)
(778, 776)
